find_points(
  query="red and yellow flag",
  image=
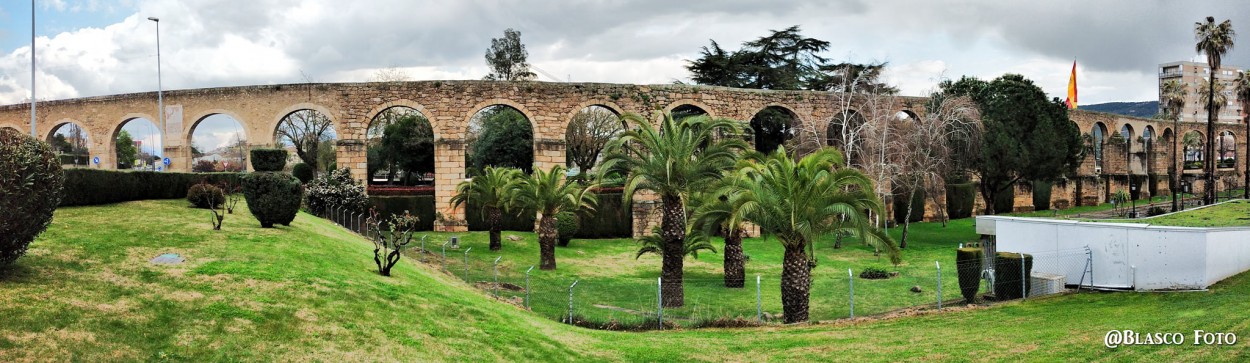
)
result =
(1072, 88)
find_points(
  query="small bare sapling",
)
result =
(390, 236)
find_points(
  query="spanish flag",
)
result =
(1072, 88)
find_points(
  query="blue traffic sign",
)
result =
(160, 168)
(166, 161)
(96, 160)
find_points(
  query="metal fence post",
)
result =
(466, 264)
(571, 301)
(527, 287)
(497, 276)
(1024, 280)
(759, 301)
(659, 302)
(939, 282)
(422, 255)
(852, 298)
(444, 261)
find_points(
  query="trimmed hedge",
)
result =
(269, 159)
(1007, 278)
(421, 206)
(1041, 195)
(612, 218)
(900, 206)
(273, 197)
(30, 189)
(968, 264)
(960, 200)
(511, 221)
(96, 186)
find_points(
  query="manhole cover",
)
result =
(168, 259)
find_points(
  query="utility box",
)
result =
(1046, 284)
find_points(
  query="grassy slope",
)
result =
(86, 292)
(1230, 214)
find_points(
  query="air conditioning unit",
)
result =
(1046, 283)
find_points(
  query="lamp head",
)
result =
(153, 18)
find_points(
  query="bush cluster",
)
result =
(30, 190)
(337, 190)
(1041, 195)
(94, 186)
(874, 273)
(303, 172)
(273, 197)
(205, 195)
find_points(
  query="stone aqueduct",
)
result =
(449, 105)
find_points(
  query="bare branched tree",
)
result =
(305, 130)
(588, 133)
(926, 150)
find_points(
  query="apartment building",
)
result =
(1194, 76)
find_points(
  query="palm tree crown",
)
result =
(1172, 96)
(679, 156)
(547, 193)
(1214, 40)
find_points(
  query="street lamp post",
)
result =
(32, 70)
(160, 90)
(1133, 196)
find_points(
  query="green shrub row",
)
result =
(421, 206)
(96, 186)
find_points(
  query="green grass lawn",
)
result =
(1229, 214)
(86, 292)
(613, 285)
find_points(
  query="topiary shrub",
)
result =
(1041, 195)
(337, 190)
(968, 266)
(204, 195)
(917, 206)
(269, 159)
(960, 200)
(1005, 200)
(30, 190)
(273, 197)
(303, 172)
(1154, 211)
(1007, 275)
(567, 225)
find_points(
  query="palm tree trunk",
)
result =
(673, 233)
(494, 218)
(796, 282)
(1208, 192)
(735, 271)
(547, 242)
(1174, 172)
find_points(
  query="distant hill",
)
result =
(1146, 109)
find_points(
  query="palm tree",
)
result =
(1172, 96)
(488, 191)
(695, 242)
(678, 157)
(722, 213)
(1241, 89)
(547, 193)
(798, 202)
(1214, 39)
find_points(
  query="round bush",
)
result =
(273, 197)
(338, 190)
(567, 225)
(204, 195)
(303, 172)
(30, 190)
(269, 159)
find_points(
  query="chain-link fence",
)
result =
(633, 303)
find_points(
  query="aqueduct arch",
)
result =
(449, 106)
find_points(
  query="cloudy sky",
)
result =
(96, 47)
